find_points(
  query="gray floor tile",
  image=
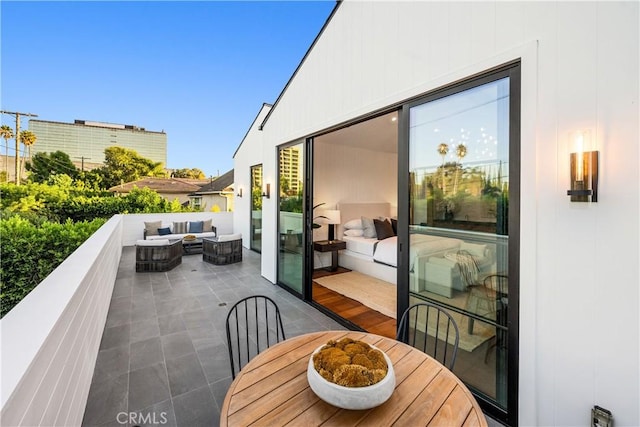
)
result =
(160, 414)
(111, 363)
(115, 336)
(144, 329)
(215, 362)
(185, 374)
(176, 345)
(146, 353)
(106, 400)
(170, 324)
(196, 408)
(148, 386)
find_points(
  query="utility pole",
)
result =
(82, 160)
(17, 138)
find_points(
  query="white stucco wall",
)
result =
(249, 154)
(579, 288)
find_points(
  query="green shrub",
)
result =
(30, 252)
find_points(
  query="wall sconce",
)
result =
(584, 169)
(267, 191)
(332, 218)
(239, 192)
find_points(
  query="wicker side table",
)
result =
(223, 250)
(158, 255)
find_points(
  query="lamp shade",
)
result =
(333, 216)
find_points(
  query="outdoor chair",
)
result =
(253, 324)
(226, 249)
(431, 329)
(158, 255)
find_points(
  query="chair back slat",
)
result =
(253, 324)
(431, 329)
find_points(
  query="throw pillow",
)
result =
(164, 231)
(195, 227)
(206, 225)
(151, 227)
(369, 229)
(180, 227)
(383, 229)
(394, 225)
(354, 224)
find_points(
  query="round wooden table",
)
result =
(272, 389)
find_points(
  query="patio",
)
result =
(163, 358)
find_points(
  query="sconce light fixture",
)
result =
(584, 169)
(333, 218)
(239, 192)
(267, 191)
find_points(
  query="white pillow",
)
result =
(369, 228)
(353, 233)
(354, 224)
(474, 249)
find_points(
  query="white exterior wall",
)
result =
(249, 154)
(579, 296)
(50, 340)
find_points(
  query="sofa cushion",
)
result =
(151, 227)
(206, 224)
(163, 231)
(179, 227)
(195, 226)
(153, 242)
(174, 236)
(229, 237)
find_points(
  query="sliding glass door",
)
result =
(291, 228)
(462, 149)
(256, 208)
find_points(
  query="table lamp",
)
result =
(333, 218)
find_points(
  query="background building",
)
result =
(85, 141)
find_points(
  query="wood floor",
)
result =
(355, 312)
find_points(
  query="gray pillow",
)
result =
(369, 229)
(206, 225)
(151, 227)
(180, 227)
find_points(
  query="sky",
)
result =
(200, 70)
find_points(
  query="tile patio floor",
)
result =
(163, 354)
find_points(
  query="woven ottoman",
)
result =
(222, 250)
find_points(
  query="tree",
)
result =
(43, 165)
(7, 133)
(27, 138)
(194, 173)
(124, 165)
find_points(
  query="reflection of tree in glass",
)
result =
(443, 149)
(461, 151)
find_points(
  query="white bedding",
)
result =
(385, 251)
(360, 245)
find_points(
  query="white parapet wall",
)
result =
(133, 224)
(50, 340)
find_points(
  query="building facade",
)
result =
(85, 141)
(535, 75)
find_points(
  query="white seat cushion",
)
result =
(153, 242)
(229, 237)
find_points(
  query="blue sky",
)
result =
(200, 71)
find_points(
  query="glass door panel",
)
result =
(256, 208)
(458, 210)
(290, 217)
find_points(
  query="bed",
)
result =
(433, 265)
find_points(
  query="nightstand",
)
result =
(332, 246)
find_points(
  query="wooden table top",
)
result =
(272, 389)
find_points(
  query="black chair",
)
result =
(431, 329)
(496, 288)
(253, 324)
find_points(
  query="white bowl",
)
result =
(352, 397)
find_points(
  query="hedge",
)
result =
(30, 252)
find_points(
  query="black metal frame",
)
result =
(251, 232)
(250, 344)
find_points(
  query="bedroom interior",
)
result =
(355, 173)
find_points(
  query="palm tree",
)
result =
(443, 149)
(7, 133)
(461, 151)
(28, 138)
